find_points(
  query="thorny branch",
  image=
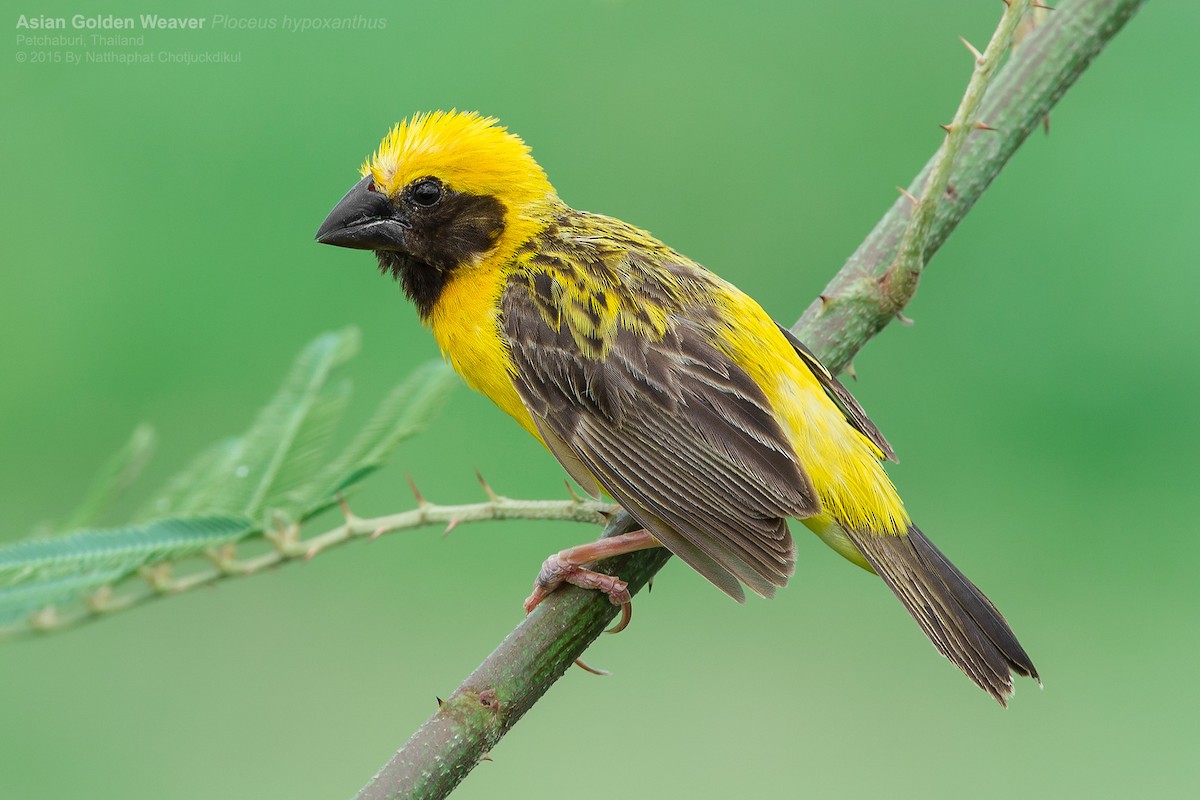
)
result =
(287, 545)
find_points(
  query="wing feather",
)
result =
(668, 425)
(841, 396)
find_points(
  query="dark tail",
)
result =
(960, 621)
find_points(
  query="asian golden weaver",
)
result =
(649, 378)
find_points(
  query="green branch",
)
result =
(162, 579)
(856, 305)
(507, 684)
(899, 283)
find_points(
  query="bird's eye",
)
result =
(426, 193)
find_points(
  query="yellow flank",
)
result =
(843, 464)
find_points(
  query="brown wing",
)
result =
(672, 429)
(841, 396)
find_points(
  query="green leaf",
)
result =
(406, 411)
(190, 490)
(261, 469)
(280, 427)
(309, 449)
(112, 479)
(18, 603)
(125, 548)
(281, 463)
(38, 572)
(277, 464)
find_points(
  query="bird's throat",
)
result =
(423, 283)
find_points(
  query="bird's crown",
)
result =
(469, 152)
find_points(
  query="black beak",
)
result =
(365, 220)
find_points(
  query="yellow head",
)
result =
(467, 152)
(444, 192)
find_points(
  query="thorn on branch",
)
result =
(285, 534)
(980, 125)
(44, 619)
(487, 489)
(947, 128)
(826, 300)
(221, 557)
(853, 373)
(97, 602)
(347, 514)
(412, 485)
(158, 576)
(440, 701)
(978, 55)
(908, 196)
(903, 320)
(453, 524)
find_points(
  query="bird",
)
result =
(651, 380)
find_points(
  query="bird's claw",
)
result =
(557, 570)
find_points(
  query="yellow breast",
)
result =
(465, 321)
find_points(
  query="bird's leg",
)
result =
(567, 566)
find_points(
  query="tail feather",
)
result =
(960, 621)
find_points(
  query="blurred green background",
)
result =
(159, 266)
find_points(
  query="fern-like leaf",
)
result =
(280, 428)
(405, 411)
(190, 491)
(230, 491)
(112, 479)
(38, 572)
